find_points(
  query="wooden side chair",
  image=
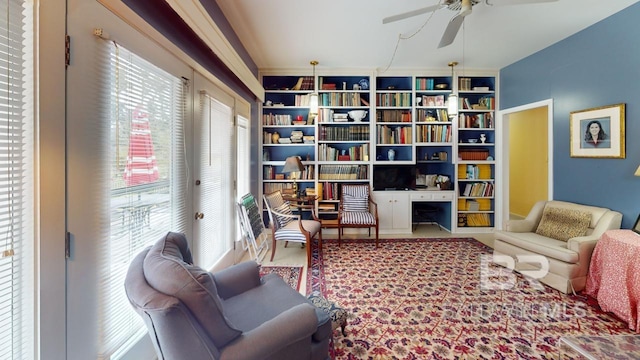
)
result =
(285, 226)
(357, 209)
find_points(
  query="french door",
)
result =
(214, 174)
(123, 180)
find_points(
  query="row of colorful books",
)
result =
(433, 133)
(394, 135)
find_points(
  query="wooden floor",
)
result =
(295, 254)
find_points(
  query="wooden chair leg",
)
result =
(339, 235)
(376, 235)
(273, 247)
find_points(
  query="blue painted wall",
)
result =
(598, 66)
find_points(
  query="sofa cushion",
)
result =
(166, 270)
(563, 224)
(538, 244)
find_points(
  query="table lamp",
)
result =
(293, 164)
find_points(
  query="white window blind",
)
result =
(17, 257)
(217, 173)
(243, 144)
(147, 179)
(243, 156)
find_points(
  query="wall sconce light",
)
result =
(313, 98)
(637, 171)
(452, 100)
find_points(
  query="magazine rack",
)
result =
(255, 238)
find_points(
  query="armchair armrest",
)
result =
(579, 243)
(293, 216)
(529, 223)
(237, 279)
(374, 205)
(312, 209)
(520, 226)
(295, 324)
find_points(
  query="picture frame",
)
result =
(636, 226)
(598, 132)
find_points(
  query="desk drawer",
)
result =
(443, 195)
(422, 196)
(432, 196)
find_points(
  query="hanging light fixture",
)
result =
(453, 98)
(313, 97)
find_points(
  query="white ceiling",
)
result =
(287, 34)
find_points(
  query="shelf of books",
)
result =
(476, 153)
(287, 130)
(393, 121)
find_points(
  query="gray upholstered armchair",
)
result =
(233, 314)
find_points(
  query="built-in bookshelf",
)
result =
(434, 135)
(344, 144)
(366, 121)
(287, 130)
(394, 119)
(476, 153)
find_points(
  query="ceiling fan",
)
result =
(462, 7)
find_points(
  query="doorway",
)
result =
(525, 157)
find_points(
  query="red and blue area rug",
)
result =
(425, 299)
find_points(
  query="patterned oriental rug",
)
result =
(425, 299)
(292, 275)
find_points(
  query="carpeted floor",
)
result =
(292, 275)
(422, 299)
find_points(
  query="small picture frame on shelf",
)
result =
(598, 132)
(636, 226)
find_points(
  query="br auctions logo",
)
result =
(497, 271)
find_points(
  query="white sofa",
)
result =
(568, 260)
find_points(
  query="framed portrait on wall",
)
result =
(598, 132)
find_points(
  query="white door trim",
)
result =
(502, 156)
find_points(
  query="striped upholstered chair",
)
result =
(285, 226)
(357, 209)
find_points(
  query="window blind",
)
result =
(147, 180)
(217, 173)
(243, 174)
(17, 256)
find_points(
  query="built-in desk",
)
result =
(396, 208)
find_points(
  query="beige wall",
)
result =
(528, 156)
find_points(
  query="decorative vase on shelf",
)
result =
(483, 138)
(391, 155)
(275, 137)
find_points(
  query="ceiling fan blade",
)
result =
(411, 13)
(516, 2)
(451, 31)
